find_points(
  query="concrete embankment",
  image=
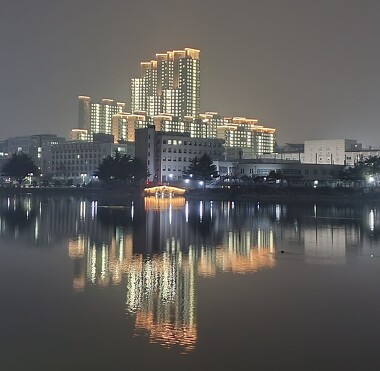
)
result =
(288, 196)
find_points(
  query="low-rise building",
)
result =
(168, 155)
(80, 160)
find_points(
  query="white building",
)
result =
(167, 155)
(330, 151)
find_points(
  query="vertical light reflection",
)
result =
(372, 220)
(170, 213)
(104, 269)
(36, 230)
(94, 209)
(278, 212)
(201, 211)
(211, 210)
(82, 210)
(132, 210)
(187, 211)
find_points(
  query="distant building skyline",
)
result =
(96, 117)
(169, 84)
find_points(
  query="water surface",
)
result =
(168, 284)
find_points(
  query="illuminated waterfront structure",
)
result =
(96, 117)
(170, 84)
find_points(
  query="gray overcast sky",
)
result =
(309, 68)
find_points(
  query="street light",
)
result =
(83, 175)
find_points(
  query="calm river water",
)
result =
(166, 284)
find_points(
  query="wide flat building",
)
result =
(79, 160)
(330, 151)
(168, 155)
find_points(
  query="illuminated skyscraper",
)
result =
(97, 117)
(170, 84)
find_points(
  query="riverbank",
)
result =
(96, 193)
(288, 195)
(283, 195)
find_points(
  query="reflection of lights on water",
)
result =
(211, 210)
(278, 212)
(187, 211)
(132, 210)
(372, 220)
(94, 209)
(92, 256)
(258, 206)
(82, 210)
(170, 213)
(201, 210)
(315, 210)
(36, 230)
(104, 268)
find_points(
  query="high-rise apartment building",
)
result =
(96, 117)
(170, 84)
(245, 138)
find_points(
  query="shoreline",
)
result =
(298, 196)
(273, 195)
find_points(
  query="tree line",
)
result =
(113, 169)
(127, 169)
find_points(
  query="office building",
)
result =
(331, 151)
(167, 155)
(38, 147)
(79, 160)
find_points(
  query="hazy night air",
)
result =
(307, 68)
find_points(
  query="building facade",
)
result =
(80, 160)
(170, 84)
(38, 147)
(96, 117)
(168, 155)
(331, 151)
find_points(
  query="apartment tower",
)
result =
(96, 117)
(168, 85)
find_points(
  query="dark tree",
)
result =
(121, 168)
(370, 167)
(19, 166)
(201, 168)
(106, 169)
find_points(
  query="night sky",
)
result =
(309, 68)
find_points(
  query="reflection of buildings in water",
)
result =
(325, 244)
(244, 252)
(161, 294)
(162, 203)
(101, 264)
(46, 221)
